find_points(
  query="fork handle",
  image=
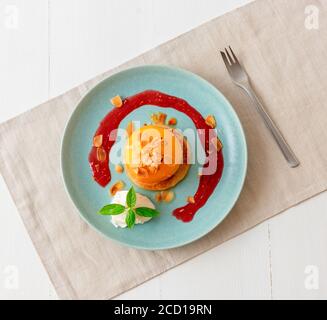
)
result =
(280, 140)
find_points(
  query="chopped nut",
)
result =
(97, 141)
(158, 197)
(162, 118)
(217, 143)
(119, 168)
(172, 122)
(130, 129)
(158, 118)
(167, 196)
(118, 186)
(191, 200)
(101, 154)
(154, 118)
(211, 121)
(117, 101)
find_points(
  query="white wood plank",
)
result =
(238, 269)
(24, 83)
(171, 18)
(23, 55)
(298, 241)
(89, 37)
(76, 42)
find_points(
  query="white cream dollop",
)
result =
(141, 201)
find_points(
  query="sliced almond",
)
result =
(119, 168)
(157, 197)
(158, 118)
(167, 196)
(162, 118)
(116, 101)
(130, 129)
(154, 118)
(101, 154)
(97, 141)
(118, 186)
(190, 200)
(172, 122)
(217, 143)
(211, 121)
(97, 167)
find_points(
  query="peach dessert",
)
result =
(156, 157)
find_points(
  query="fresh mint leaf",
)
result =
(112, 210)
(146, 212)
(130, 218)
(131, 198)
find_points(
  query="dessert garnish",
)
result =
(116, 101)
(211, 121)
(159, 118)
(99, 156)
(165, 196)
(127, 209)
(119, 168)
(217, 143)
(190, 200)
(119, 185)
(97, 141)
(172, 122)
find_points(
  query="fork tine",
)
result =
(229, 56)
(223, 55)
(234, 56)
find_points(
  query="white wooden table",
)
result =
(49, 46)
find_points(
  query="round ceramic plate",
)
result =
(165, 231)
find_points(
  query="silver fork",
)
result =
(241, 79)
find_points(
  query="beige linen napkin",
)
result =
(286, 60)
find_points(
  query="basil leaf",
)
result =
(112, 210)
(147, 212)
(131, 198)
(130, 218)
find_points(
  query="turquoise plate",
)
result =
(166, 231)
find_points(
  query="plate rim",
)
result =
(189, 74)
